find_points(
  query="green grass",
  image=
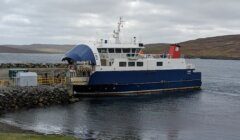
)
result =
(14, 136)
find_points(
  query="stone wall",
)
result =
(15, 98)
(33, 65)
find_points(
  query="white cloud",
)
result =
(15, 19)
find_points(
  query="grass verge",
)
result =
(16, 136)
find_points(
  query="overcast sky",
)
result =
(76, 21)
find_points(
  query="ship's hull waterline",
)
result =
(130, 83)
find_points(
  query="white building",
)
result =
(26, 79)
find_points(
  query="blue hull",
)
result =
(130, 82)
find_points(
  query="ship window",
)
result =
(111, 50)
(130, 55)
(139, 64)
(131, 64)
(133, 50)
(159, 63)
(122, 64)
(137, 50)
(102, 50)
(126, 50)
(99, 50)
(118, 51)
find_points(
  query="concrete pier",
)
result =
(52, 88)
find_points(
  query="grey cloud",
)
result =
(61, 21)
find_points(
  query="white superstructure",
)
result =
(120, 56)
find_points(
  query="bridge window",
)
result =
(102, 50)
(130, 55)
(118, 51)
(133, 50)
(122, 64)
(111, 50)
(131, 64)
(99, 50)
(138, 50)
(126, 50)
(159, 63)
(139, 64)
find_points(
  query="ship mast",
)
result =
(117, 33)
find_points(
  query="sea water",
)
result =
(212, 113)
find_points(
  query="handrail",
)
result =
(4, 83)
(133, 55)
(41, 81)
(51, 80)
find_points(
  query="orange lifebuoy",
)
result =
(141, 52)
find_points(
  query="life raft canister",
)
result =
(174, 51)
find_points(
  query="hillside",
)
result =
(35, 48)
(221, 47)
(7, 49)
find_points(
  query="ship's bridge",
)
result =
(119, 48)
(109, 52)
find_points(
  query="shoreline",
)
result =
(188, 57)
(7, 128)
(10, 132)
(32, 52)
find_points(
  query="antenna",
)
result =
(116, 33)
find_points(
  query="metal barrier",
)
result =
(4, 82)
(133, 55)
(41, 81)
(51, 80)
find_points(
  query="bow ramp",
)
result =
(80, 53)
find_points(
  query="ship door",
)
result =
(72, 74)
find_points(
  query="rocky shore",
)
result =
(33, 65)
(15, 98)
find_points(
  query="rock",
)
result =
(40, 99)
(74, 100)
(40, 105)
(15, 98)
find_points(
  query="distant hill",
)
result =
(35, 48)
(220, 47)
(7, 49)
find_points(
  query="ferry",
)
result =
(121, 68)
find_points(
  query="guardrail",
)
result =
(134, 55)
(4, 83)
(40, 80)
(190, 66)
(51, 80)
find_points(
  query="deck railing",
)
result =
(51, 80)
(134, 55)
(41, 81)
(4, 83)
